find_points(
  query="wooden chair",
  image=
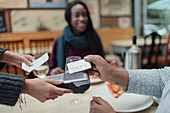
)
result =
(153, 52)
(41, 45)
(15, 45)
(165, 59)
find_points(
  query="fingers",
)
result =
(99, 105)
(93, 58)
(116, 63)
(94, 107)
(60, 70)
(28, 59)
(55, 82)
(57, 70)
(54, 96)
(93, 103)
(43, 99)
(99, 100)
(62, 90)
(96, 101)
(58, 90)
(28, 62)
(95, 73)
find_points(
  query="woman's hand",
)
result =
(116, 63)
(101, 67)
(56, 70)
(16, 58)
(98, 105)
(107, 73)
(44, 89)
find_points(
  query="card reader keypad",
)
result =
(73, 76)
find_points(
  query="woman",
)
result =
(154, 82)
(78, 39)
(11, 86)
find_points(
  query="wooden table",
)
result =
(61, 105)
(121, 46)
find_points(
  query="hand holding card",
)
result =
(37, 63)
(78, 81)
(77, 66)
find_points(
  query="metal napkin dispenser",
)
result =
(133, 56)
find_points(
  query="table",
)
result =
(61, 104)
(119, 47)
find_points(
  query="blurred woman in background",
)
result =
(78, 39)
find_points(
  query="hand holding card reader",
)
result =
(79, 82)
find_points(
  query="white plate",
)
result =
(127, 102)
(95, 80)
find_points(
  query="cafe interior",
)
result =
(134, 34)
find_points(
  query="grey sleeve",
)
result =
(147, 82)
(10, 88)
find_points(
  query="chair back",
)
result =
(41, 45)
(167, 51)
(153, 50)
(14, 45)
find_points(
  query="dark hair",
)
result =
(93, 38)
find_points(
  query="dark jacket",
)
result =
(10, 85)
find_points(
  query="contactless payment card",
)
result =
(36, 63)
(77, 66)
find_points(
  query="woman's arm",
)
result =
(16, 58)
(148, 82)
(10, 87)
(44, 89)
(108, 73)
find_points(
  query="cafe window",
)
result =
(158, 14)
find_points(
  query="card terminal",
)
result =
(79, 82)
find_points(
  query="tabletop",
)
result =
(119, 47)
(63, 104)
(140, 42)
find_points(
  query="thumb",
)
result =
(55, 82)
(93, 58)
(28, 59)
(28, 62)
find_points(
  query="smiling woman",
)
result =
(78, 39)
